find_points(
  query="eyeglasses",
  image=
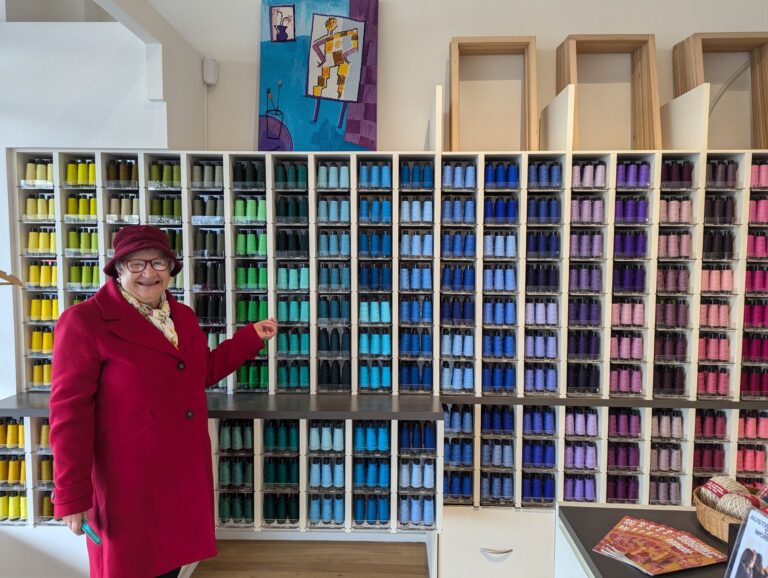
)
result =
(138, 265)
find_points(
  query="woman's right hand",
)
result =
(266, 329)
(74, 521)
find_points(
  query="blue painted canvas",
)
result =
(318, 75)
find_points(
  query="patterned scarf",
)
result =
(160, 318)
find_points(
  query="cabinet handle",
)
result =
(497, 551)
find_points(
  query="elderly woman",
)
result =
(129, 423)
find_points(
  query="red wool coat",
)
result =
(129, 432)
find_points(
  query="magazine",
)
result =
(656, 548)
(750, 552)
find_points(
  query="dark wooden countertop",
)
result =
(286, 406)
(587, 526)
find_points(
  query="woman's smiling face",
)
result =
(149, 285)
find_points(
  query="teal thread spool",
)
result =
(282, 278)
(304, 376)
(270, 432)
(269, 507)
(293, 376)
(281, 443)
(281, 509)
(282, 343)
(291, 176)
(282, 472)
(293, 435)
(282, 312)
(282, 375)
(225, 501)
(248, 515)
(240, 207)
(248, 435)
(304, 208)
(293, 472)
(269, 471)
(304, 311)
(304, 343)
(294, 343)
(237, 507)
(293, 279)
(302, 175)
(225, 435)
(237, 473)
(280, 175)
(303, 278)
(293, 310)
(237, 436)
(248, 473)
(224, 472)
(240, 244)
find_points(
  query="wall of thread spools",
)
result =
(535, 275)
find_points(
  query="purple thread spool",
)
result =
(632, 175)
(621, 175)
(578, 489)
(589, 489)
(592, 422)
(590, 459)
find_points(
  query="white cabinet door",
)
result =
(496, 542)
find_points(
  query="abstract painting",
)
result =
(318, 76)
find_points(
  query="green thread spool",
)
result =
(75, 274)
(240, 240)
(220, 242)
(83, 206)
(282, 436)
(210, 207)
(95, 275)
(240, 207)
(154, 172)
(280, 176)
(261, 211)
(85, 240)
(253, 311)
(252, 244)
(263, 309)
(198, 209)
(293, 436)
(73, 239)
(250, 208)
(225, 435)
(167, 207)
(253, 376)
(262, 277)
(269, 471)
(282, 472)
(253, 277)
(241, 311)
(178, 242)
(92, 207)
(225, 503)
(304, 376)
(302, 175)
(87, 279)
(176, 175)
(240, 277)
(177, 207)
(94, 242)
(262, 249)
(264, 377)
(167, 178)
(242, 375)
(91, 172)
(156, 206)
(219, 206)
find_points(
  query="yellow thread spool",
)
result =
(3, 506)
(91, 172)
(31, 206)
(82, 206)
(46, 470)
(41, 172)
(92, 210)
(33, 274)
(54, 275)
(12, 434)
(125, 206)
(48, 341)
(43, 275)
(85, 240)
(114, 206)
(3, 469)
(14, 470)
(54, 309)
(94, 241)
(31, 171)
(73, 239)
(35, 309)
(46, 506)
(49, 171)
(71, 205)
(14, 506)
(22, 470)
(36, 346)
(37, 373)
(3, 429)
(42, 208)
(52, 240)
(87, 275)
(46, 309)
(74, 274)
(21, 432)
(45, 240)
(45, 432)
(51, 208)
(71, 173)
(82, 173)
(33, 241)
(23, 507)
(47, 371)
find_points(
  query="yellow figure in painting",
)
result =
(333, 50)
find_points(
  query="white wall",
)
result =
(68, 85)
(414, 36)
(42, 552)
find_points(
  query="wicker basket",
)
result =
(714, 522)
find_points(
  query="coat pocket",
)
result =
(131, 428)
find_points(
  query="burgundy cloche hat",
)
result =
(137, 238)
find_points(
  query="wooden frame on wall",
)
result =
(494, 46)
(646, 118)
(688, 61)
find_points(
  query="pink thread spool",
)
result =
(638, 314)
(664, 211)
(686, 212)
(624, 380)
(723, 383)
(636, 381)
(673, 211)
(705, 277)
(626, 314)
